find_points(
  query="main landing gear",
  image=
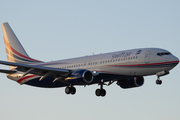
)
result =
(70, 90)
(101, 91)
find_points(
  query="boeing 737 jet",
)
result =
(126, 68)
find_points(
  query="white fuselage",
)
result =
(135, 62)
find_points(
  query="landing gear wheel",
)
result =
(103, 92)
(98, 92)
(158, 82)
(68, 90)
(73, 90)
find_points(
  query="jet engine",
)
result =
(131, 82)
(81, 77)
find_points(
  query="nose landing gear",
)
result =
(162, 73)
(158, 81)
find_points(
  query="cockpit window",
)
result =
(163, 53)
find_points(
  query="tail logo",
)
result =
(15, 56)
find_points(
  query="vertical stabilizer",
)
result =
(14, 49)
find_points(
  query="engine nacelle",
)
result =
(81, 76)
(132, 82)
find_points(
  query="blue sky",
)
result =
(52, 30)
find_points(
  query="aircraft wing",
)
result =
(35, 69)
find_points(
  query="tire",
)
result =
(67, 90)
(158, 82)
(103, 92)
(98, 92)
(73, 90)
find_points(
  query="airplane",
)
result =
(127, 68)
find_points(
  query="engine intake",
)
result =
(132, 82)
(80, 77)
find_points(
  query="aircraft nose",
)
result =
(176, 60)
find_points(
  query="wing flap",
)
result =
(7, 71)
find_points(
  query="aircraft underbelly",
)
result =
(136, 70)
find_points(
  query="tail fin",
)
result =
(14, 49)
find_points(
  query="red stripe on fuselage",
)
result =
(146, 64)
(26, 77)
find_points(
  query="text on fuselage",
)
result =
(123, 54)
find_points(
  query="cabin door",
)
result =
(147, 57)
